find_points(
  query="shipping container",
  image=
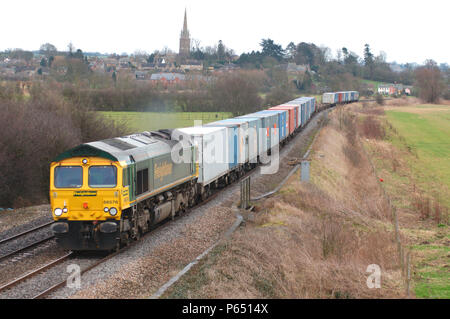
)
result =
(282, 125)
(298, 112)
(211, 145)
(293, 116)
(328, 98)
(239, 132)
(267, 137)
(251, 135)
(309, 107)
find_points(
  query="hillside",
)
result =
(311, 240)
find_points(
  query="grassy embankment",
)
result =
(414, 160)
(311, 240)
(149, 121)
(316, 239)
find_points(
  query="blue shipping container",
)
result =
(282, 116)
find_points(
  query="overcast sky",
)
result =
(407, 30)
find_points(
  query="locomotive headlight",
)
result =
(65, 210)
(106, 209)
(113, 211)
(58, 211)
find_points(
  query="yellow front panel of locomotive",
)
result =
(85, 202)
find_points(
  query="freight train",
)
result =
(107, 193)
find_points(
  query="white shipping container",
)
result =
(328, 98)
(211, 144)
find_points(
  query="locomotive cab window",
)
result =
(102, 176)
(68, 176)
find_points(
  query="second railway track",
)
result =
(23, 233)
(24, 243)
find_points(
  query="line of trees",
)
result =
(34, 131)
(341, 72)
(237, 92)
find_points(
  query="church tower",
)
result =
(185, 41)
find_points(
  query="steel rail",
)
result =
(26, 247)
(25, 232)
(35, 272)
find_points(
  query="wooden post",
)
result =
(397, 239)
(408, 272)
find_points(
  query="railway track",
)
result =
(28, 275)
(19, 243)
(29, 246)
(11, 238)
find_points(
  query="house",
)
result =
(167, 78)
(394, 89)
(110, 64)
(125, 63)
(192, 65)
(226, 68)
(386, 89)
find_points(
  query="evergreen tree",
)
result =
(270, 48)
(220, 52)
(368, 61)
(291, 50)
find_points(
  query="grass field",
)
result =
(423, 132)
(150, 121)
(426, 130)
(374, 83)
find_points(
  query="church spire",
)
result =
(185, 41)
(185, 30)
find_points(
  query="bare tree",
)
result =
(48, 50)
(429, 82)
(71, 48)
(236, 92)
